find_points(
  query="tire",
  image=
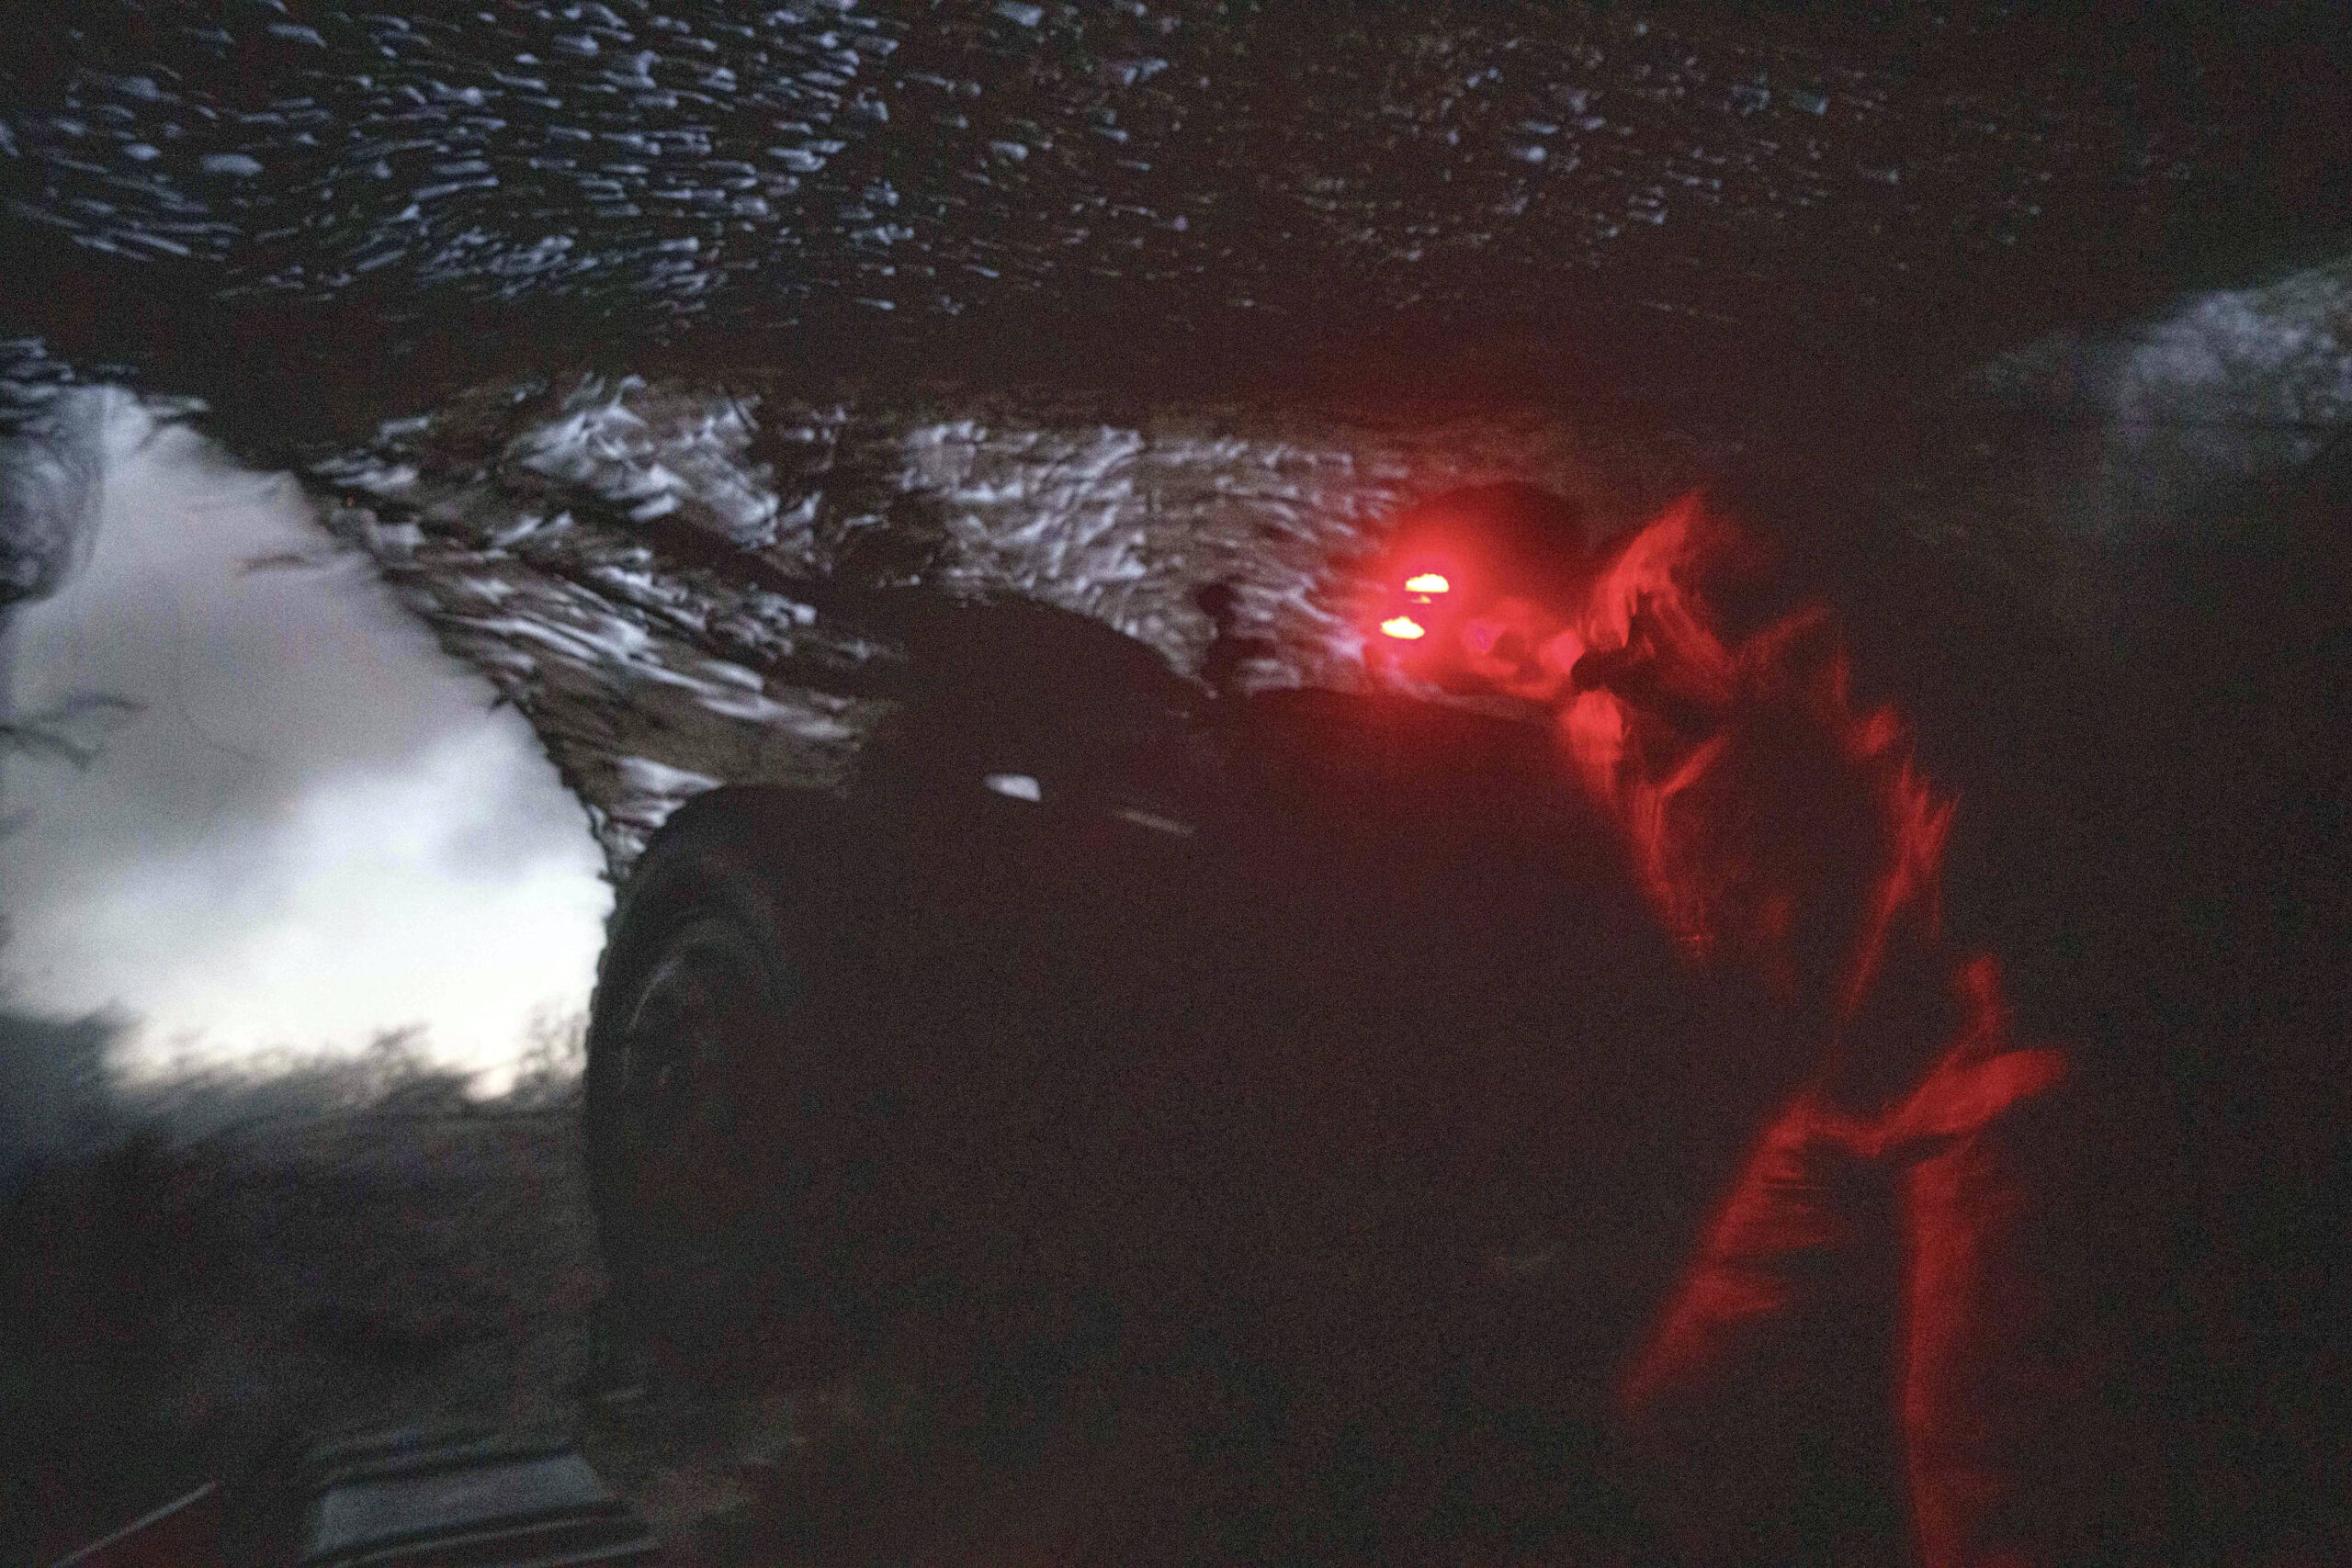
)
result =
(721, 1143)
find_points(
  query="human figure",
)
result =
(1228, 652)
(1888, 1274)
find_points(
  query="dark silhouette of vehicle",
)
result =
(1333, 1009)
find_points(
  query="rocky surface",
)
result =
(622, 558)
(879, 182)
(661, 574)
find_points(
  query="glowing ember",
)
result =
(1404, 627)
(1428, 583)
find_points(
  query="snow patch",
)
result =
(691, 453)
(642, 775)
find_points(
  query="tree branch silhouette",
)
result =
(76, 729)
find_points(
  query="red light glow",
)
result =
(1683, 799)
(1404, 627)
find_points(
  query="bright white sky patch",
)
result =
(314, 831)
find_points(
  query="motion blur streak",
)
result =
(1657, 735)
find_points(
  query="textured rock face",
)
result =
(49, 480)
(1456, 171)
(649, 571)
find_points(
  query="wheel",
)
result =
(718, 1125)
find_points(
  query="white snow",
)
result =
(688, 453)
(643, 776)
(369, 472)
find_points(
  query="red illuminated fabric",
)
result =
(1765, 1361)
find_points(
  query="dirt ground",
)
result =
(198, 1309)
(223, 1272)
(215, 1280)
(194, 1305)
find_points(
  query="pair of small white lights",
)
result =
(1424, 587)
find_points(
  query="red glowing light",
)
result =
(1428, 583)
(1404, 627)
(1713, 818)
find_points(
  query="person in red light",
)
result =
(1879, 1309)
